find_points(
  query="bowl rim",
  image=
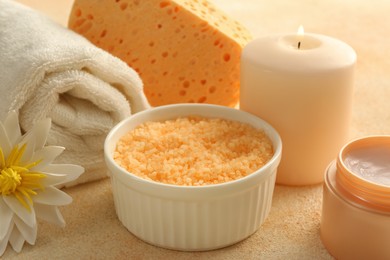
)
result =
(261, 172)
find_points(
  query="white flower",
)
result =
(28, 181)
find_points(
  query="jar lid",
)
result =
(363, 170)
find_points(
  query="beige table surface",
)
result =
(291, 231)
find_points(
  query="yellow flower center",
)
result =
(17, 179)
(9, 181)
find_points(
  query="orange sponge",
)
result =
(184, 50)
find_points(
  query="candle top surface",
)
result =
(370, 163)
(306, 53)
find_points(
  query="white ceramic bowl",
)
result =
(192, 218)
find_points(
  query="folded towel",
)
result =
(47, 70)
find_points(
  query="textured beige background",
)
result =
(292, 228)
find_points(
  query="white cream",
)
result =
(372, 164)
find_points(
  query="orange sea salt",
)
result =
(193, 151)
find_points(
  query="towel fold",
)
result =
(47, 70)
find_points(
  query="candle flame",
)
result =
(301, 31)
(300, 34)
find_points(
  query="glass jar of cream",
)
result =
(355, 222)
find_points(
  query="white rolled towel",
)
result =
(47, 70)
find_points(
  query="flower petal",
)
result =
(16, 240)
(52, 196)
(30, 147)
(5, 144)
(70, 170)
(4, 242)
(27, 216)
(12, 127)
(53, 179)
(28, 233)
(47, 155)
(37, 136)
(5, 218)
(50, 214)
(41, 130)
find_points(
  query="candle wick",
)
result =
(299, 45)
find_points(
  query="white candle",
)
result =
(302, 85)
